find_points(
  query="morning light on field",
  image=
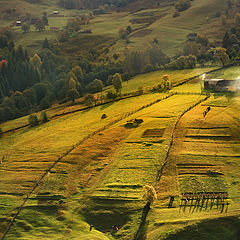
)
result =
(120, 120)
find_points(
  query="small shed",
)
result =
(56, 12)
(18, 23)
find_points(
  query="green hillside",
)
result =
(107, 128)
(94, 170)
(147, 24)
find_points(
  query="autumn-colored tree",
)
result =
(117, 82)
(36, 61)
(72, 83)
(149, 194)
(222, 55)
(166, 83)
(72, 94)
(39, 25)
(237, 19)
(3, 62)
(26, 27)
(78, 72)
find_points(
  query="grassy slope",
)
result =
(231, 73)
(100, 182)
(167, 30)
(222, 153)
(115, 197)
(147, 81)
(29, 146)
(171, 32)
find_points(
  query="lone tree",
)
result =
(26, 27)
(222, 55)
(166, 83)
(45, 19)
(149, 194)
(44, 117)
(72, 94)
(117, 82)
(39, 25)
(33, 120)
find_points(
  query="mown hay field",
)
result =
(205, 159)
(83, 184)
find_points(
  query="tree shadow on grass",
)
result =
(106, 105)
(225, 228)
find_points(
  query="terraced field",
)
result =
(205, 159)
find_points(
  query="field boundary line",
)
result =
(70, 150)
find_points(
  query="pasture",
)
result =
(149, 80)
(86, 180)
(147, 24)
(231, 73)
(204, 158)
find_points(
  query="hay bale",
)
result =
(104, 116)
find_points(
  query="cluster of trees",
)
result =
(139, 62)
(123, 33)
(32, 83)
(38, 23)
(231, 44)
(27, 83)
(181, 5)
(183, 62)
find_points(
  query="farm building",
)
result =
(18, 23)
(192, 37)
(222, 85)
(55, 12)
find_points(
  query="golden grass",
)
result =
(199, 157)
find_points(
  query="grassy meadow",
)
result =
(100, 181)
(148, 80)
(94, 179)
(147, 24)
(231, 73)
(211, 170)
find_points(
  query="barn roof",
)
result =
(214, 80)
